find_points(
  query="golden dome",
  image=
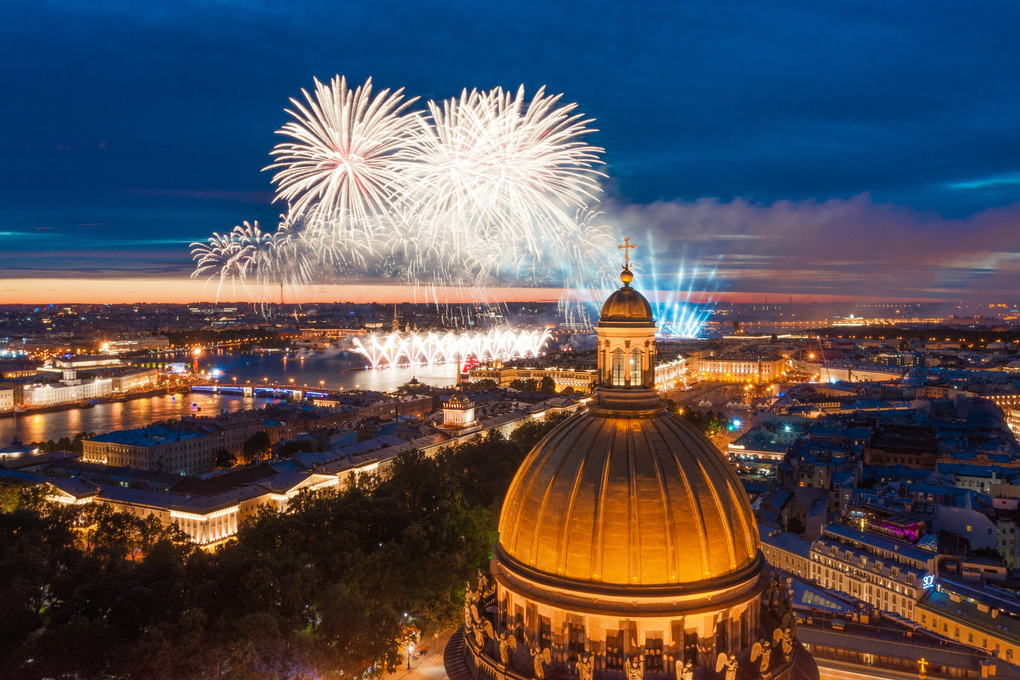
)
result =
(638, 498)
(626, 305)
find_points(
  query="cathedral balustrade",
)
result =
(485, 664)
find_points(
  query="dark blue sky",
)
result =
(132, 128)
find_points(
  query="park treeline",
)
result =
(320, 591)
(244, 336)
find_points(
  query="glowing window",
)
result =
(635, 367)
(618, 368)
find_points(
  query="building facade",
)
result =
(888, 574)
(738, 369)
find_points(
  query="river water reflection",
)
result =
(336, 370)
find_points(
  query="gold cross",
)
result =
(626, 248)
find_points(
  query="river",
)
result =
(336, 370)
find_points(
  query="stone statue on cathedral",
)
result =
(635, 668)
(727, 663)
(507, 646)
(586, 666)
(541, 657)
(762, 650)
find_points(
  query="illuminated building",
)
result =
(973, 615)
(887, 573)
(206, 518)
(187, 450)
(579, 379)
(738, 369)
(68, 390)
(625, 539)
(6, 398)
(668, 376)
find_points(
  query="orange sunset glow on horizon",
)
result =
(126, 290)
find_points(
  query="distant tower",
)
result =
(396, 322)
(458, 413)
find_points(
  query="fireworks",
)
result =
(248, 253)
(439, 348)
(498, 181)
(471, 192)
(350, 160)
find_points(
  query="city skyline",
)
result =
(819, 153)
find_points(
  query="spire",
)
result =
(626, 276)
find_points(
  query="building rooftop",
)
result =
(791, 543)
(971, 613)
(152, 435)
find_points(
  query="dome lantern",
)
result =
(626, 336)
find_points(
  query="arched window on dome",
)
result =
(635, 367)
(618, 374)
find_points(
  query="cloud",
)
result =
(855, 246)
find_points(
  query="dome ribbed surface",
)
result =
(626, 304)
(628, 500)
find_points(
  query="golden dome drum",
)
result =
(616, 499)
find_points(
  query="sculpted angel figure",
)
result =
(727, 662)
(635, 668)
(483, 583)
(541, 658)
(762, 650)
(786, 637)
(507, 645)
(586, 666)
(483, 631)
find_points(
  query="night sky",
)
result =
(819, 148)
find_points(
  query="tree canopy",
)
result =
(318, 591)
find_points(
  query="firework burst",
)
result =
(349, 161)
(252, 257)
(498, 179)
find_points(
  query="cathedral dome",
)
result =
(615, 498)
(628, 306)
(626, 541)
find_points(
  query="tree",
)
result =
(529, 385)
(225, 459)
(256, 445)
(547, 386)
(289, 448)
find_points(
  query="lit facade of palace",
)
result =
(627, 546)
(668, 376)
(738, 370)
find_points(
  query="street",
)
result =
(428, 667)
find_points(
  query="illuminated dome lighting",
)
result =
(625, 538)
